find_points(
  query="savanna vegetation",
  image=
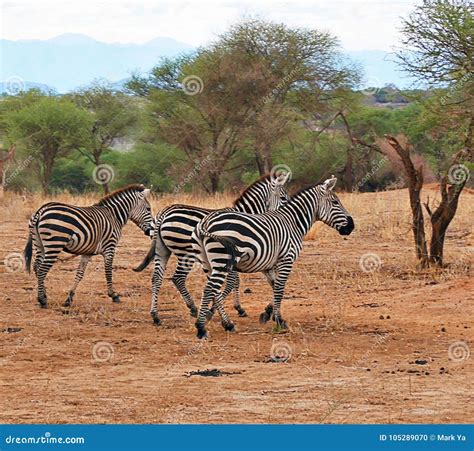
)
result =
(263, 95)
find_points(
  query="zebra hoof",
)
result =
(68, 301)
(194, 312)
(156, 320)
(264, 317)
(43, 305)
(116, 299)
(281, 324)
(242, 313)
(229, 327)
(202, 333)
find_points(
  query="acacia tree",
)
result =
(243, 91)
(48, 129)
(113, 117)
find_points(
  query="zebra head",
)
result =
(331, 211)
(140, 214)
(278, 195)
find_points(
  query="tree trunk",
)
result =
(348, 171)
(415, 183)
(214, 178)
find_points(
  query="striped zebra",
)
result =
(175, 224)
(269, 243)
(84, 231)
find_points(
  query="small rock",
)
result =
(381, 317)
(388, 316)
(247, 291)
(443, 329)
(421, 362)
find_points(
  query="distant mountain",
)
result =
(14, 85)
(72, 60)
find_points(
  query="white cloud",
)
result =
(358, 24)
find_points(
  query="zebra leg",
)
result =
(79, 275)
(179, 279)
(268, 312)
(42, 267)
(156, 281)
(108, 262)
(282, 273)
(232, 277)
(211, 290)
(237, 305)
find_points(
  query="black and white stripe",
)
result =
(269, 243)
(85, 231)
(175, 224)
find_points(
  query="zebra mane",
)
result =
(303, 189)
(125, 189)
(263, 178)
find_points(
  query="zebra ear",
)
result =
(329, 184)
(283, 178)
(146, 192)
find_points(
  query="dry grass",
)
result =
(337, 371)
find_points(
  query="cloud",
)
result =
(358, 24)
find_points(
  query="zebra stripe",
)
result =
(269, 243)
(85, 231)
(175, 224)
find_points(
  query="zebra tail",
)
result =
(229, 245)
(28, 252)
(149, 257)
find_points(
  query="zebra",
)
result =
(269, 242)
(174, 226)
(84, 231)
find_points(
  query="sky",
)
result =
(360, 25)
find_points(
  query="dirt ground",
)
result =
(389, 346)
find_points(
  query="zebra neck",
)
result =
(121, 208)
(254, 200)
(303, 210)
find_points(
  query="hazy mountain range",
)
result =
(69, 61)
